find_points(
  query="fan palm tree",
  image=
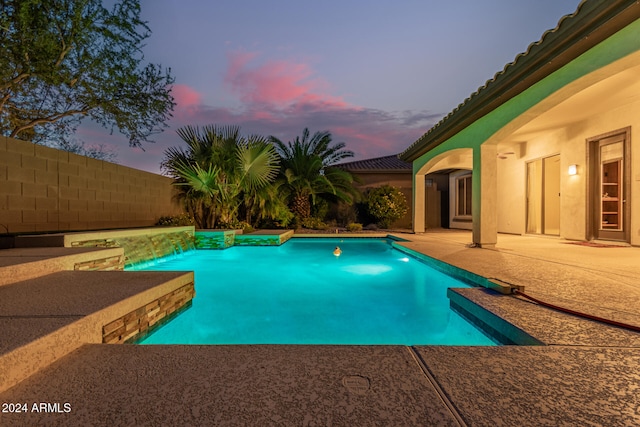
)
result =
(307, 171)
(219, 171)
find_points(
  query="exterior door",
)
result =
(543, 196)
(610, 203)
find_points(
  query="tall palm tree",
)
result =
(307, 171)
(219, 171)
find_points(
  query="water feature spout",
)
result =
(142, 249)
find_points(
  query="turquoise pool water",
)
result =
(300, 293)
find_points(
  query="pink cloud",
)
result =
(187, 99)
(375, 139)
(281, 98)
(276, 82)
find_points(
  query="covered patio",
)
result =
(547, 146)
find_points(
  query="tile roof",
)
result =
(383, 164)
(592, 22)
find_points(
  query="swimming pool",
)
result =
(301, 293)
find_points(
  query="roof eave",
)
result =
(592, 23)
(381, 171)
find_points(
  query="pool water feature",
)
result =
(301, 293)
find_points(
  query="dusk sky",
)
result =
(376, 74)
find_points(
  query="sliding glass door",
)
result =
(543, 196)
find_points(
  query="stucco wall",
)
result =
(511, 195)
(512, 179)
(570, 143)
(44, 189)
(574, 152)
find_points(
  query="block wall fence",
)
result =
(44, 189)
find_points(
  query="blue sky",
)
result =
(377, 74)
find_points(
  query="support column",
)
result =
(485, 196)
(418, 204)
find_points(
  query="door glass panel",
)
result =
(611, 187)
(543, 196)
(609, 199)
(534, 196)
(611, 151)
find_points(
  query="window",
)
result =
(463, 195)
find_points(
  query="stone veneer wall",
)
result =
(44, 189)
(139, 245)
(114, 263)
(261, 239)
(143, 248)
(132, 325)
(206, 239)
(215, 239)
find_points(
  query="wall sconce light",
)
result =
(573, 170)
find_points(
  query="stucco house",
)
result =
(379, 171)
(390, 170)
(551, 144)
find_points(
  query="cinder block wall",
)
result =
(44, 189)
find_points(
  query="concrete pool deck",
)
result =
(586, 374)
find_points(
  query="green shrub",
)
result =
(343, 213)
(246, 227)
(320, 208)
(175, 220)
(354, 226)
(284, 219)
(314, 223)
(386, 204)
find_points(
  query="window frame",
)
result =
(463, 212)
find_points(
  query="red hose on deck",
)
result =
(577, 313)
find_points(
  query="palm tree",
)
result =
(266, 203)
(307, 171)
(219, 171)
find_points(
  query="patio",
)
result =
(588, 373)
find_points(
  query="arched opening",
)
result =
(445, 196)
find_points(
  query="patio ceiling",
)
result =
(607, 95)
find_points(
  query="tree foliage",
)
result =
(308, 171)
(64, 60)
(95, 151)
(386, 204)
(221, 173)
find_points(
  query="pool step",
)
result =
(464, 302)
(28, 263)
(44, 318)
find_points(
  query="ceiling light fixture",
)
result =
(505, 154)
